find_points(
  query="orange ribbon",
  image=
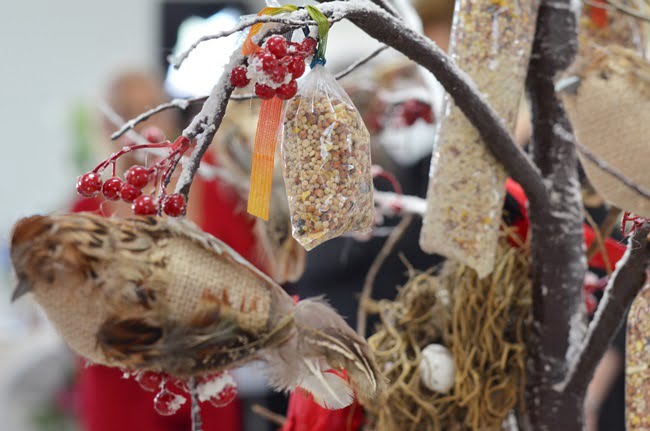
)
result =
(268, 123)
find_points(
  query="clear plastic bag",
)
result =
(326, 162)
(491, 41)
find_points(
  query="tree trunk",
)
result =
(557, 236)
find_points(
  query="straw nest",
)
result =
(483, 323)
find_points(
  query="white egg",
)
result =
(437, 368)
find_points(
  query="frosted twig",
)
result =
(176, 103)
(625, 283)
(385, 251)
(603, 165)
(360, 62)
(197, 422)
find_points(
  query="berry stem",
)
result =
(113, 158)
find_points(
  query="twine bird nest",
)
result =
(483, 323)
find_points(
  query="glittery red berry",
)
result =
(295, 65)
(153, 134)
(238, 77)
(111, 188)
(174, 205)
(277, 45)
(287, 91)
(167, 403)
(264, 91)
(145, 205)
(279, 74)
(225, 397)
(268, 61)
(137, 176)
(308, 46)
(150, 381)
(88, 185)
(129, 193)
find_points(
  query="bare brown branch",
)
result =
(625, 283)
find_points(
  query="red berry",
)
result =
(268, 61)
(287, 91)
(149, 381)
(88, 185)
(145, 205)
(279, 73)
(167, 403)
(111, 188)
(264, 91)
(154, 135)
(174, 205)
(137, 176)
(308, 46)
(295, 65)
(277, 45)
(238, 77)
(225, 397)
(129, 193)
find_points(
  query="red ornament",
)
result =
(88, 185)
(277, 45)
(167, 403)
(129, 193)
(111, 188)
(295, 65)
(287, 91)
(225, 397)
(268, 61)
(308, 46)
(279, 74)
(145, 205)
(150, 381)
(174, 205)
(264, 91)
(137, 176)
(238, 77)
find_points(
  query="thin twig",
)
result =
(623, 286)
(286, 20)
(197, 422)
(268, 415)
(369, 282)
(181, 104)
(603, 165)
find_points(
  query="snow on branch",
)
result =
(625, 283)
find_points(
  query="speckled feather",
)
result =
(159, 294)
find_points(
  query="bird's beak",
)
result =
(23, 287)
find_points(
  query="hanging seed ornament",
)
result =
(157, 294)
(637, 363)
(491, 41)
(326, 157)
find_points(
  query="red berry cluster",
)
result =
(170, 391)
(137, 177)
(275, 67)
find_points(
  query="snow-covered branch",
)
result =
(625, 283)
